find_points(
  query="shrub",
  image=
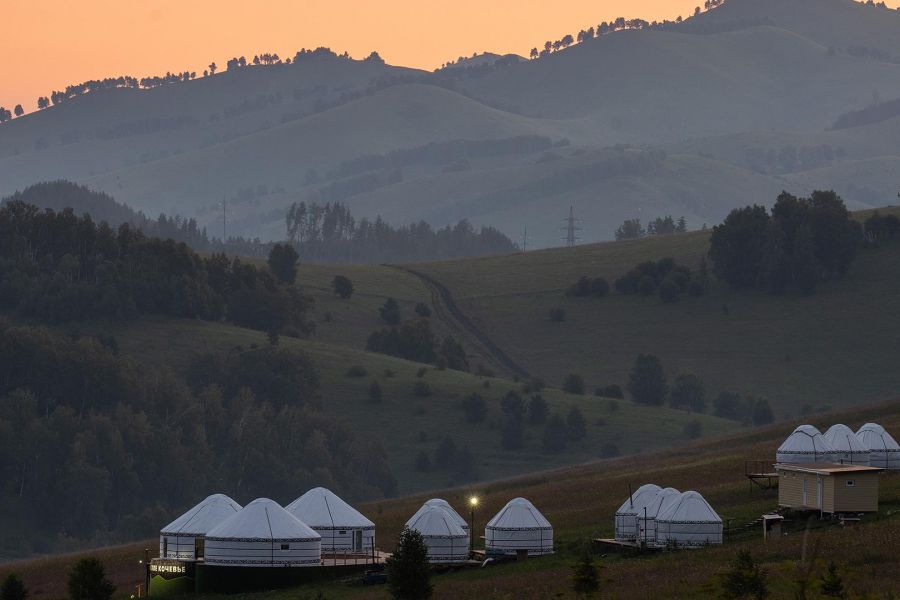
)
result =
(576, 424)
(745, 579)
(537, 410)
(646, 286)
(375, 393)
(609, 450)
(13, 588)
(475, 408)
(422, 310)
(728, 405)
(421, 389)
(696, 289)
(669, 290)
(693, 429)
(87, 581)
(557, 315)
(610, 391)
(412, 340)
(342, 286)
(408, 570)
(612, 406)
(513, 406)
(390, 312)
(574, 384)
(513, 436)
(596, 287)
(357, 371)
(421, 372)
(687, 392)
(647, 382)
(454, 355)
(555, 434)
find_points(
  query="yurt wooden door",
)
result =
(357, 540)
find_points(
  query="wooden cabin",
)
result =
(828, 487)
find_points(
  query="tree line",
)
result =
(632, 229)
(57, 267)
(126, 447)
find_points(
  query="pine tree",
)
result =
(13, 588)
(832, 585)
(87, 581)
(745, 579)
(584, 577)
(408, 570)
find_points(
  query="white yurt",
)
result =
(883, 448)
(646, 519)
(626, 516)
(447, 542)
(688, 522)
(342, 527)
(441, 503)
(805, 445)
(263, 534)
(183, 537)
(519, 526)
(848, 447)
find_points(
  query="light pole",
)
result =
(473, 504)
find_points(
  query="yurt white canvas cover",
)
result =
(688, 522)
(805, 445)
(849, 450)
(263, 534)
(447, 542)
(883, 448)
(183, 537)
(441, 503)
(646, 519)
(342, 527)
(519, 526)
(626, 516)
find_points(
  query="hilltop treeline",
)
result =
(866, 116)
(330, 232)
(57, 267)
(94, 449)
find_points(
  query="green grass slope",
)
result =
(580, 501)
(836, 347)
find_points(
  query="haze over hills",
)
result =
(718, 94)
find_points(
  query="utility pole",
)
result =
(525, 240)
(224, 221)
(571, 228)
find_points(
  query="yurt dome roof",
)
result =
(639, 499)
(441, 503)
(321, 508)
(519, 514)
(263, 520)
(435, 521)
(689, 507)
(207, 514)
(842, 439)
(806, 439)
(874, 437)
(662, 501)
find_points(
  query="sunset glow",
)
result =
(50, 44)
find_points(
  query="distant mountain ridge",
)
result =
(747, 68)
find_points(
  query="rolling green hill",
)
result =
(580, 503)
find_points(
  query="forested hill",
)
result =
(269, 135)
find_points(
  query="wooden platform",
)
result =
(760, 474)
(620, 546)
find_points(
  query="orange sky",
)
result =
(51, 43)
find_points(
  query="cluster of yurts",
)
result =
(265, 534)
(666, 518)
(870, 446)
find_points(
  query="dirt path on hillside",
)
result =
(446, 309)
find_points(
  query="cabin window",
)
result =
(285, 546)
(343, 533)
(851, 483)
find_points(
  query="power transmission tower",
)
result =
(571, 228)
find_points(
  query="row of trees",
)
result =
(57, 267)
(611, 26)
(414, 340)
(129, 447)
(802, 242)
(330, 232)
(632, 229)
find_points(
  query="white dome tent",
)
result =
(183, 537)
(883, 448)
(342, 527)
(688, 522)
(847, 446)
(441, 503)
(518, 527)
(263, 534)
(647, 528)
(447, 542)
(626, 517)
(805, 445)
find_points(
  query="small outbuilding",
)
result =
(688, 522)
(849, 450)
(183, 538)
(883, 448)
(827, 487)
(626, 517)
(441, 503)
(805, 445)
(447, 542)
(263, 534)
(343, 528)
(519, 528)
